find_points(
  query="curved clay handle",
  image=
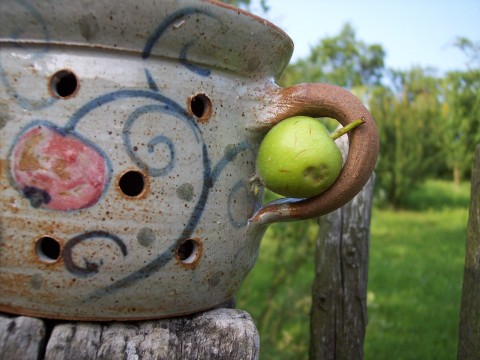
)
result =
(323, 100)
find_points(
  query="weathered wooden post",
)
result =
(469, 331)
(339, 310)
(216, 334)
(21, 338)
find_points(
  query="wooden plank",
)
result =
(217, 334)
(469, 328)
(21, 338)
(339, 310)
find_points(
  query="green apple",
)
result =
(298, 158)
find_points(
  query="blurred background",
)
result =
(416, 66)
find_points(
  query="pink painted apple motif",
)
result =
(56, 170)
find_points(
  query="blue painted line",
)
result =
(90, 268)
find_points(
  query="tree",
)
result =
(471, 50)
(409, 122)
(342, 60)
(461, 111)
(461, 114)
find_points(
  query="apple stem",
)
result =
(347, 128)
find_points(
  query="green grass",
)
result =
(414, 285)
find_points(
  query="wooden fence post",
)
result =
(216, 334)
(339, 310)
(21, 338)
(469, 330)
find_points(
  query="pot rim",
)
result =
(202, 34)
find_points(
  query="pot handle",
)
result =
(324, 100)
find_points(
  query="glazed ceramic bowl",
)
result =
(129, 133)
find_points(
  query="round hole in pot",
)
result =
(189, 251)
(64, 83)
(132, 183)
(200, 106)
(48, 249)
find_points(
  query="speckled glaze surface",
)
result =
(129, 133)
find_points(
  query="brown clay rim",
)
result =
(19, 310)
(253, 16)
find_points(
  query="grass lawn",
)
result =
(414, 285)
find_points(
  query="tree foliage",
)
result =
(461, 117)
(342, 60)
(408, 118)
(471, 50)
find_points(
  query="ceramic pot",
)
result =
(128, 141)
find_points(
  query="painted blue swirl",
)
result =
(159, 139)
(229, 156)
(101, 100)
(151, 81)
(90, 267)
(166, 24)
(189, 65)
(240, 186)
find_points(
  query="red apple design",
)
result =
(57, 170)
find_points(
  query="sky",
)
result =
(412, 32)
